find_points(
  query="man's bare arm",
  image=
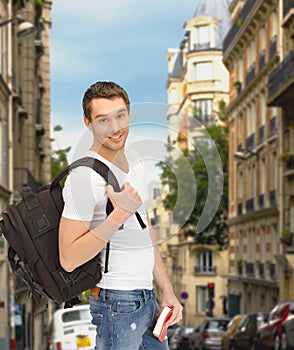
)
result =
(161, 279)
(78, 244)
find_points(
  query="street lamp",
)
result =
(24, 28)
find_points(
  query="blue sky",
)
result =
(125, 41)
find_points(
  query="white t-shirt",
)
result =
(131, 257)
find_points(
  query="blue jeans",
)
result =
(124, 320)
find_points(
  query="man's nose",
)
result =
(114, 125)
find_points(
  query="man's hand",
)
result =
(171, 301)
(128, 199)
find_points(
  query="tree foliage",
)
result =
(58, 156)
(200, 162)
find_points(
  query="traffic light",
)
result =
(210, 287)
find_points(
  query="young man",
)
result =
(123, 304)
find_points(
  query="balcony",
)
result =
(205, 270)
(281, 83)
(237, 26)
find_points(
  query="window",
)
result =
(4, 147)
(3, 52)
(201, 298)
(262, 245)
(205, 261)
(200, 38)
(202, 71)
(202, 110)
(251, 245)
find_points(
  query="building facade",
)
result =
(252, 49)
(197, 83)
(280, 94)
(25, 150)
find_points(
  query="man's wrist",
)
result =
(119, 216)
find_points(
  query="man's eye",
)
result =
(121, 115)
(103, 120)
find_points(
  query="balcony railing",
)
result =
(235, 28)
(198, 270)
(282, 76)
(288, 5)
(250, 269)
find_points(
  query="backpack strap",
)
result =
(103, 170)
(109, 177)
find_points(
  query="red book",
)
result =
(160, 328)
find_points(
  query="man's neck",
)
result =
(117, 158)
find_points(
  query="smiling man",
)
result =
(123, 304)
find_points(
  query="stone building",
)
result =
(197, 83)
(25, 148)
(260, 187)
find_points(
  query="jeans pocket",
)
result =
(126, 307)
(97, 320)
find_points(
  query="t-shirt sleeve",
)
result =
(83, 190)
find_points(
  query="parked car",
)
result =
(232, 328)
(178, 339)
(208, 334)
(245, 337)
(270, 334)
(72, 329)
(171, 331)
(287, 339)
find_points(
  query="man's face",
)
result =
(110, 123)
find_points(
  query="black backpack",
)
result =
(31, 230)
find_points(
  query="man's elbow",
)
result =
(66, 263)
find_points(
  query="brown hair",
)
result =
(103, 89)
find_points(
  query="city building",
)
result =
(198, 82)
(252, 49)
(25, 149)
(280, 94)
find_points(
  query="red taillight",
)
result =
(58, 345)
(205, 335)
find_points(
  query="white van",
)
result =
(72, 329)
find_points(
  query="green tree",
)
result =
(59, 156)
(215, 231)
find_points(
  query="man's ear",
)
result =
(88, 123)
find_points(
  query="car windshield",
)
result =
(76, 315)
(217, 325)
